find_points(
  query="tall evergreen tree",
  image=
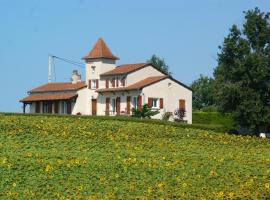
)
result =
(242, 77)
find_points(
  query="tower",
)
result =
(99, 60)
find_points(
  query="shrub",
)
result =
(144, 112)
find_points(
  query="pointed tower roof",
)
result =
(100, 50)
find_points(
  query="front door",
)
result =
(94, 107)
(118, 105)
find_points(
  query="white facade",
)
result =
(168, 89)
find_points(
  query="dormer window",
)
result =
(93, 68)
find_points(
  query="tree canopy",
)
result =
(160, 64)
(242, 77)
(202, 92)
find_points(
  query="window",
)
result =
(45, 107)
(135, 102)
(123, 81)
(155, 103)
(94, 84)
(113, 105)
(63, 105)
(111, 83)
(93, 68)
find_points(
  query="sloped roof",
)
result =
(58, 86)
(125, 68)
(48, 97)
(138, 85)
(100, 50)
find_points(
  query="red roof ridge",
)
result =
(100, 50)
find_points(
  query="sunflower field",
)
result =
(61, 157)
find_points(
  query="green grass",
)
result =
(62, 157)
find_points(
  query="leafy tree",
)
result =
(202, 92)
(144, 112)
(160, 64)
(242, 77)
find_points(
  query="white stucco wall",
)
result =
(171, 95)
(123, 102)
(82, 104)
(142, 74)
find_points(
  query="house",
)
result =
(111, 89)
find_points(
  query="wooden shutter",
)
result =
(38, 107)
(150, 102)
(161, 103)
(96, 84)
(113, 82)
(139, 102)
(107, 106)
(117, 84)
(118, 102)
(89, 84)
(128, 104)
(182, 104)
(107, 83)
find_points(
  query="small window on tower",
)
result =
(93, 69)
(94, 84)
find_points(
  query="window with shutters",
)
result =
(155, 103)
(94, 84)
(135, 102)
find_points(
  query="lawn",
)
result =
(95, 158)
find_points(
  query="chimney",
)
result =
(76, 77)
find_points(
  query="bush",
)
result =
(144, 112)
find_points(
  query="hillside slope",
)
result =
(72, 158)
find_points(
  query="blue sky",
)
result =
(185, 33)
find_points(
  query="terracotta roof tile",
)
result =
(126, 68)
(48, 97)
(58, 86)
(138, 85)
(100, 50)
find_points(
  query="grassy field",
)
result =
(49, 157)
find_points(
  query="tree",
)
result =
(144, 112)
(160, 64)
(202, 92)
(242, 77)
